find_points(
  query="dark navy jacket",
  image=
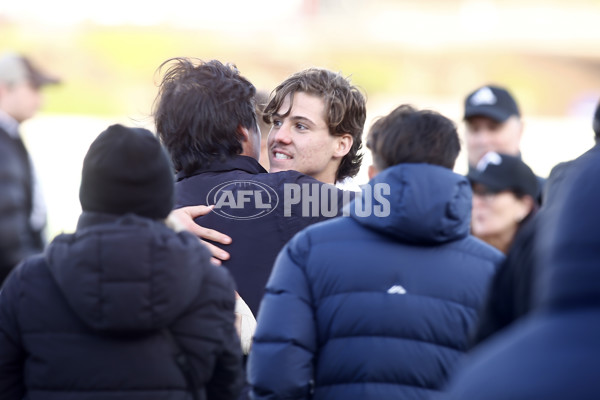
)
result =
(250, 206)
(17, 238)
(89, 318)
(378, 305)
(554, 353)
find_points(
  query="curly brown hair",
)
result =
(345, 107)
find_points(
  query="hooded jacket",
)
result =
(553, 353)
(102, 314)
(378, 305)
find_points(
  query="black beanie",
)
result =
(126, 170)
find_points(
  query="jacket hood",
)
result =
(568, 240)
(416, 203)
(127, 273)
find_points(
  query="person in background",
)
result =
(493, 123)
(504, 215)
(379, 305)
(552, 353)
(125, 307)
(511, 292)
(22, 207)
(504, 193)
(560, 172)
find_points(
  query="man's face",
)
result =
(484, 134)
(20, 101)
(301, 140)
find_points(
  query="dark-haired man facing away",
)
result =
(379, 305)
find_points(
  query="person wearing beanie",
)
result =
(124, 307)
(137, 179)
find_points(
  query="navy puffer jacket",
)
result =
(378, 305)
(90, 319)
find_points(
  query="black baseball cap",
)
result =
(499, 172)
(493, 102)
(15, 68)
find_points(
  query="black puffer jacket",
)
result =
(551, 354)
(96, 315)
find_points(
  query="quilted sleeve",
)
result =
(281, 359)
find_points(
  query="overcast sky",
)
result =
(148, 12)
(568, 25)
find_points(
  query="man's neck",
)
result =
(326, 179)
(328, 174)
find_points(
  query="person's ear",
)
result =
(250, 141)
(343, 144)
(520, 132)
(244, 133)
(372, 171)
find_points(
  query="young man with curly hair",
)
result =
(317, 119)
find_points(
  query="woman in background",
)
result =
(504, 193)
(503, 215)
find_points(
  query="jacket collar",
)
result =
(239, 162)
(416, 203)
(9, 124)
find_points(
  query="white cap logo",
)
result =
(489, 158)
(483, 96)
(396, 289)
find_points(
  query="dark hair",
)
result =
(198, 110)
(345, 108)
(407, 135)
(261, 100)
(596, 122)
